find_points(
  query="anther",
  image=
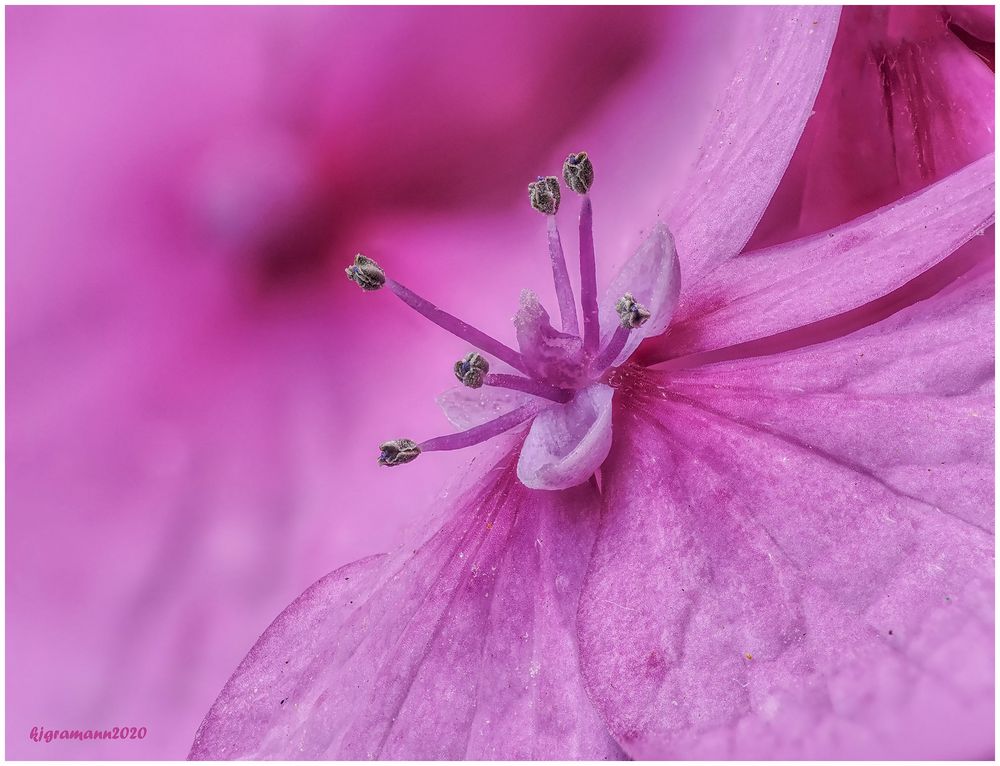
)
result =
(578, 172)
(632, 313)
(367, 274)
(471, 370)
(544, 195)
(397, 452)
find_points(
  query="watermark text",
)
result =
(41, 734)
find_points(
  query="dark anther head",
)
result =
(365, 273)
(397, 452)
(578, 172)
(471, 370)
(544, 195)
(632, 313)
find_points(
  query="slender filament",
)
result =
(560, 274)
(481, 433)
(588, 278)
(528, 386)
(610, 352)
(456, 326)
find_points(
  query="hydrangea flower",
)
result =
(788, 551)
(174, 398)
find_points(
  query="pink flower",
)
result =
(184, 183)
(788, 552)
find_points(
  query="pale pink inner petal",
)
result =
(568, 442)
(463, 647)
(653, 277)
(749, 144)
(792, 285)
(469, 407)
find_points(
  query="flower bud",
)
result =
(365, 273)
(397, 452)
(472, 369)
(631, 313)
(544, 195)
(578, 172)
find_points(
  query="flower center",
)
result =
(554, 364)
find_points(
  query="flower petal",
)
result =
(748, 146)
(653, 276)
(787, 566)
(791, 285)
(468, 407)
(909, 400)
(920, 107)
(461, 648)
(568, 442)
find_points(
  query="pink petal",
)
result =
(461, 648)
(911, 398)
(568, 442)
(747, 148)
(920, 107)
(653, 277)
(791, 285)
(468, 407)
(795, 559)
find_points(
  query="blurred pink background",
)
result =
(195, 391)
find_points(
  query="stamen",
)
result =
(471, 370)
(588, 279)
(457, 327)
(528, 386)
(560, 275)
(397, 452)
(578, 172)
(632, 314)
(544, 195)
(367, 274)
(610, 352)
(483, 432)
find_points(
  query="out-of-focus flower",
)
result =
(789, 550)
(180, 394)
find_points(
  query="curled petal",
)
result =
(568, 442)
(756, 129)
(653, 276)
(460, 648)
